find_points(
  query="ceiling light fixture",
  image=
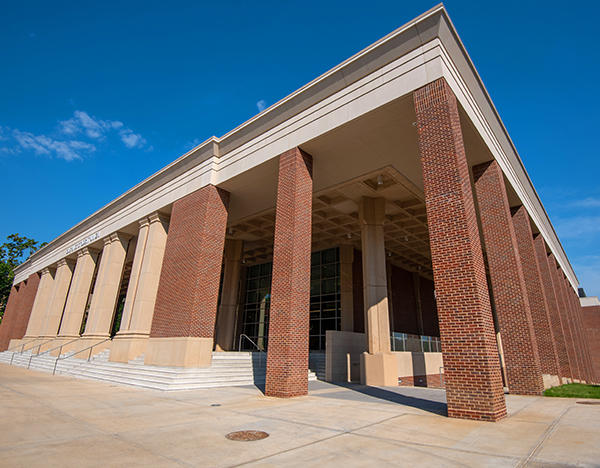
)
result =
(379, 179)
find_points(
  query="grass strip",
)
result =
(574, 390)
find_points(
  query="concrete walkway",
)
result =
(56, 421)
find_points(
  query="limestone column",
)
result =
(36, 321)
(226, 317)
(471, 366)
(132, 339)
(537, 299)
(106, 291)
(287, 359)
(346, 288)
(378, 364)
(183, 322)
(77, 300)
(56, 302)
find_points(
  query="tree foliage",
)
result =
(15, 251)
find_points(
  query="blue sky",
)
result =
(97, 96)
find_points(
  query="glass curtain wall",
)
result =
(325, 308)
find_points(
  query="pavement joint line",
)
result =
(545, 436)
(530, 402)
(341, 433)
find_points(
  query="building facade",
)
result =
(380, 210)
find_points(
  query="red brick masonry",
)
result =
(471, 363)
(18, 310)
(186, 302)
(287, 361)
(591, 320)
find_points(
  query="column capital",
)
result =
(86, 251)
(119, 236)
(144, 222)
(47, 270)
(371, 211)
(156, 216)
(62, 262)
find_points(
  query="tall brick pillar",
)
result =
(471, 364)
(287, 362)
(535, 293)
(183, 323)
(506, 272)
(578, 335)
(555, 274)
(553, 312)
(17, 312)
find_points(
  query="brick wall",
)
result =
(18, 310)
(535, 293)
(186, 302)
(553, 311)
(591, 321)
(473, 378)
(287, 360)
(510, 295)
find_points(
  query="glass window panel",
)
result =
(264, 282)
(329, 271)
(323, 341)
(314, 327)
(328, 324)
(251, 297)
(315, 288)
(313, 342)
(315, 258)
(265, 269)
(329, 256)
(253, 271)
(253, 284)
(330, 298)
(315, 273)
(329, 310)
(329, 286)
(262, 295)
(250, 316)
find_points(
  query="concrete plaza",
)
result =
(56, 421)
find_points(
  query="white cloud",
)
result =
(132, 140)
(589, 202)
(42, 144)
(93, 127)
(577, 227)
(262, 105)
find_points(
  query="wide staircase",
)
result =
(227, 369)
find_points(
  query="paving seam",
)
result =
(341, 433)
(545, 436)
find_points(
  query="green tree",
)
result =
(12, 254)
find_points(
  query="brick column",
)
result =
(77, 300)
(591, 320)
(132, 338)
(506, 273)
(36, 321)
(553, 312)
(183, 323)
(378, 364)
(535, 293)
(578, 332)
(562, 311)
(17, 312)
(471, 365)
(287, 361)
(106, 294)
(229, 295)
(56, 303)
(346, 289)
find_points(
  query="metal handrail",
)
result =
(59, 358)
(21, 344)
(262, 351)
(23, 350)
(50, 350)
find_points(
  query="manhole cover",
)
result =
(589, 402)
(247, 436)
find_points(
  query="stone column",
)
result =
(77, 300)
(557, 330)
(132, 339)
(15, 320)
(56, 303)
(471, 366)
(183, 323)
(36, 321)
(508, 282)
(105, 296)
(574, 374)
(537, 299)
(346, 290)
(378, 365)
(226, 318)
(287, 361)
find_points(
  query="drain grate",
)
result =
(247, 436)
(588, 402)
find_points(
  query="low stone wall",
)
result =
(414, 368)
